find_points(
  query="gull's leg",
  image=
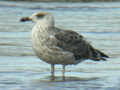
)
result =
(52, 72)
(63, 72)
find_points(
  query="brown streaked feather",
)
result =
(73, 42)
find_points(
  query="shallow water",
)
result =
(20, 69)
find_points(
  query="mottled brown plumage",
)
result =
(73, 42)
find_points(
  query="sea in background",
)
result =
(98, 22)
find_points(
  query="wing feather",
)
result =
(73, 42)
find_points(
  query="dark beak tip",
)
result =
(24, 19)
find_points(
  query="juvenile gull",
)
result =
(57, 46)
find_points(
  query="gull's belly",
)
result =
(53, 56)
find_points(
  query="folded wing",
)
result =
(73, 42)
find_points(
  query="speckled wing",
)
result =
(73, 42)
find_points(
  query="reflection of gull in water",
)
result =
(57, 46)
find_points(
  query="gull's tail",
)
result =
(97, 55)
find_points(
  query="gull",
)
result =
(58, 46)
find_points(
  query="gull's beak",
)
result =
(24, 19)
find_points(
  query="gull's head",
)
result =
(38, 17)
